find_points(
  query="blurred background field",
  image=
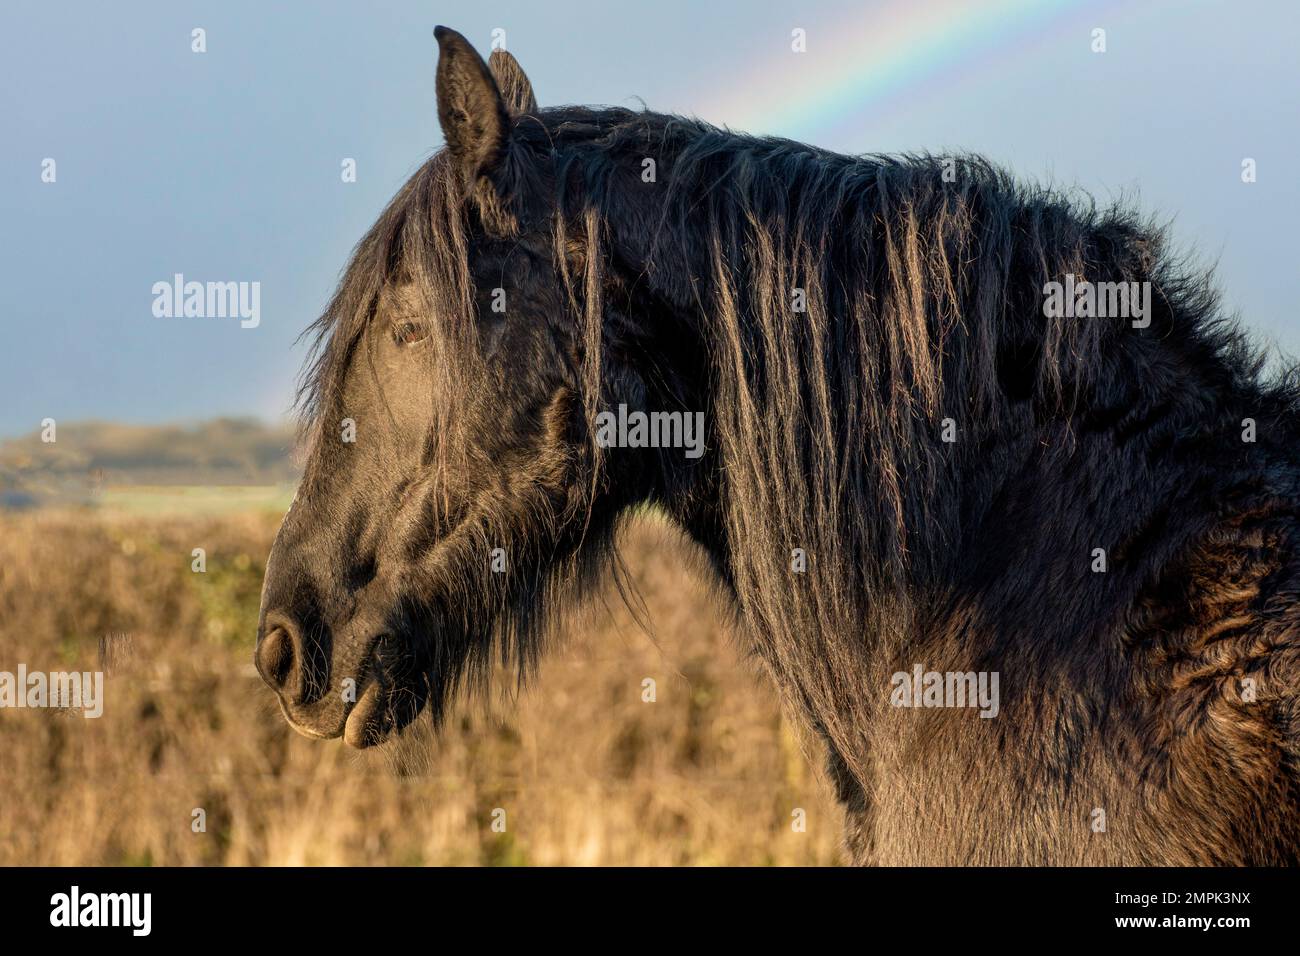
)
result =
(586, 772)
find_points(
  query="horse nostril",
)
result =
(275, 658)
(296, 668)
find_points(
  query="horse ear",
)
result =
(512, 82)
(472, 113)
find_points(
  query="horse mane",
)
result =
(922, 283)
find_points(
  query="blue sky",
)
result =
(225, 165)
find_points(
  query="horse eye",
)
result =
(409, 333)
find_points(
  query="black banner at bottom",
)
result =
(619, 906)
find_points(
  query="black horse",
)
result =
(1005, 505)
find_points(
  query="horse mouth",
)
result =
(367, 722)
(381, 713)
(392, 696)
(301, 728)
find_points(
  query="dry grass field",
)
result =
(586, 772)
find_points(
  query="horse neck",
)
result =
(1036, 526)
(1020, 477)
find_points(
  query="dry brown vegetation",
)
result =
(587, 773)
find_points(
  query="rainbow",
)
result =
(901, 49)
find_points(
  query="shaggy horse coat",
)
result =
(912, 465)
